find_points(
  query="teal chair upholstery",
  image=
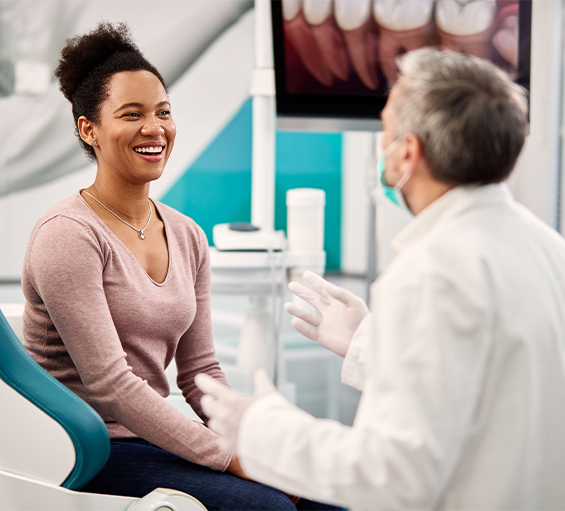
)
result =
(83, 425)
(52, 443)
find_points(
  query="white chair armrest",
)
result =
(163, 499)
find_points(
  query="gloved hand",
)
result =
(225, 407)
(340, 312)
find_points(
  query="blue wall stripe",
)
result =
(216, 188)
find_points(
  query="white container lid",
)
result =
(305, 197)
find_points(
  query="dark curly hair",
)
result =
(88, 62)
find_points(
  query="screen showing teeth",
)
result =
(348, 48)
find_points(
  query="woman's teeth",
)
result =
(150, 150)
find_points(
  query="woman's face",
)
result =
(136, 132)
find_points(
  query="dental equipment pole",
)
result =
(260, 344)
(372, 162)
(264, 118)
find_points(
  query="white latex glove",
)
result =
(339, 313)
(225, 407)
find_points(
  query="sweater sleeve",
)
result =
(195, 351)
(65, 265)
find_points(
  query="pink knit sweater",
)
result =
(99, 324)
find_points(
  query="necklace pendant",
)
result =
(142, 236)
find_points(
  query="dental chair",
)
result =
(52, 443)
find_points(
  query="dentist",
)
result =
(462, 362)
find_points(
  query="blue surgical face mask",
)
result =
(392, 193)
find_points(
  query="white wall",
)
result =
(205, 50)
(535, 179)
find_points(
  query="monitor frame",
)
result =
(342, 112)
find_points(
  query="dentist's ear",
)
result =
(411, 154)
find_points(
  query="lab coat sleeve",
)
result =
(426, 362)
(354, 368)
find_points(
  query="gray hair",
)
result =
(468, 114)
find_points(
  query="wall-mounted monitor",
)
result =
(335, 59)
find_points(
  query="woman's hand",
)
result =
(235, 468)
(293, 498)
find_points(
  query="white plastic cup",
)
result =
(305, 219)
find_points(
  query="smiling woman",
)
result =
(134, 135)
(117, 285)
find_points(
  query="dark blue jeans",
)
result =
(136, 467)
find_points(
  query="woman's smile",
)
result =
(152, 152)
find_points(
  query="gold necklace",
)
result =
(140, 231)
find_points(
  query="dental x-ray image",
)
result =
(331, 54)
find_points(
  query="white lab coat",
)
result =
(462, 374)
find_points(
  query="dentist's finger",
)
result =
(327, 288)
(315, 280)
(209, 385)
(318, 283)
(339, 294)
(307, 294)
(262, 382)
(207, 403)
(343, 295)
(304, 329)
(304, 314)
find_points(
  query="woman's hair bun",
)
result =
(85, 52)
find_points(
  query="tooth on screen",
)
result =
(462, 19)
(467, 28)
(403, 14)
(404, 25)
(393, 43)
(352, 14)
(505, 39)
(362, 49)
(299, 34)
(354, 19)
(290, 8)
(506, 43)
(332, 47)
(317, 11)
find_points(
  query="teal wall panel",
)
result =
(311, 160)
(216, 188)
